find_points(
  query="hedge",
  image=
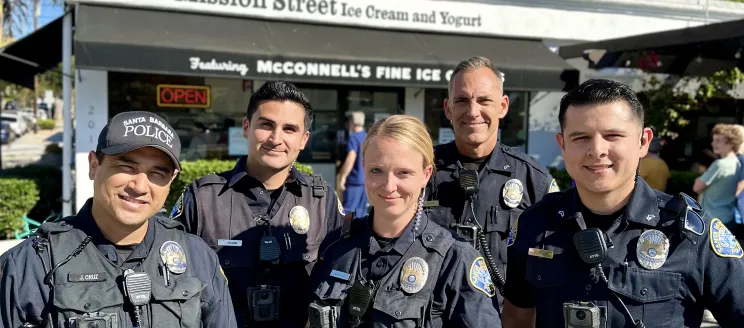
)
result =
(197, 169)
(679, 181)
(35, 191)
(47, 124)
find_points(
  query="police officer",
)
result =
(115, 263)
(264, 218)
(613, 252)
(481, 186)
(396, 267)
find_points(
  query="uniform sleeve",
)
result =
(712, 173)
(334, 211)
(723, 271)
(185, 210)
(544, 184)
(469, 294)
(22, 291)
(217, 307)
(517, 289)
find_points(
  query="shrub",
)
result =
(197, 169)
(17, 197)
(35, 191)
(47, 124)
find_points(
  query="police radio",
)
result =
(592, 246)
(138, 287)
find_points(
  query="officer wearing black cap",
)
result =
(481, 186)
(396, 267)
(116, 263)
(264, 218)
(613, 252)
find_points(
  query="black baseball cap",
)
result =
(128, 131)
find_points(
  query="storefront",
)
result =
(198, 70)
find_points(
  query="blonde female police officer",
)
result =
(396, 267)
(116, 264)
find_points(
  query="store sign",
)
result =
(191, 96)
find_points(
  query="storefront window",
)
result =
(512, 128)
(206, 113)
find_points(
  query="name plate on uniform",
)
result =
(431, 203)
(86, 277)
(544, 253)
(228, 242)
(340, 275)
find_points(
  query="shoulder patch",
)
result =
(177, 208)
(553, 187)
(512, 233)
(480, 278)
(723, 242)
(340, 207)
(223, 274)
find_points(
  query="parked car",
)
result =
(17, 124)
(6, 136)
(31, 121)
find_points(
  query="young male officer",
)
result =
(613, 252)
(266, 219)
(481, 186)
(117, 264)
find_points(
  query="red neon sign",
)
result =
(171, 95)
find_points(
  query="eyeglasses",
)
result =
(693, 221)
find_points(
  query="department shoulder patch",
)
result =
(553, 187)
(480, 278)
(512, 234)
(223, 274)
(723, 242)
(177, 208)
(340, 207)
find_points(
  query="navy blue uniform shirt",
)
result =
(449, 205)
(703, 267)
(23, 293)
(455, 302)
(220, 220)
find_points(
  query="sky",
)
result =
(49, 12)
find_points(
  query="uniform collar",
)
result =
(497, 162)
(404, 242)
(85, 222)
(238, 172)
(639, 209)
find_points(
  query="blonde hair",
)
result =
(407, 130)
(732, 133)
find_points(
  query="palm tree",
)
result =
(13, 14)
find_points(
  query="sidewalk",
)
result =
(30, 148)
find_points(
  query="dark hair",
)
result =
(281, 91)
(600, 92)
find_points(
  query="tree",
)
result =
(15, 14)
(667, 101)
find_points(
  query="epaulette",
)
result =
(48, 228)
(213, 178)
(168, 223)
(524, 158)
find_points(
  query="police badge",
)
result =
(512, 193)
(299, 219)
(173, 257)
(652, 249)
(413, 275)
(480, 278)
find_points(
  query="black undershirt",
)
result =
(123, 252)
(480, 162)
(606, 223)
(383, 241)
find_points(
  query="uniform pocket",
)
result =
(652, 295)
(181, 300)
(396, 309)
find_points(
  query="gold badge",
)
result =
(512, 192)
(299, 219)
(652, 249)
(413, 275)
(173, 257)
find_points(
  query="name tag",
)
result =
(340, 275)
(431, 203)
(228, 242)
(544, 253)
(86, 277)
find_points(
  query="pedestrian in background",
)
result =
(350, 179)
(653, 169)
(717, 186)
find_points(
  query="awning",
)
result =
(701, 50)
(34, 54)
(135, 40)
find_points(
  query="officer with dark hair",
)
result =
(264, 218)
(481, 185)
(613, 252)
(116, 263)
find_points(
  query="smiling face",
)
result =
(476, 103)
(602, 146)
(276, 134)
(130, 188)
(394, 177)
